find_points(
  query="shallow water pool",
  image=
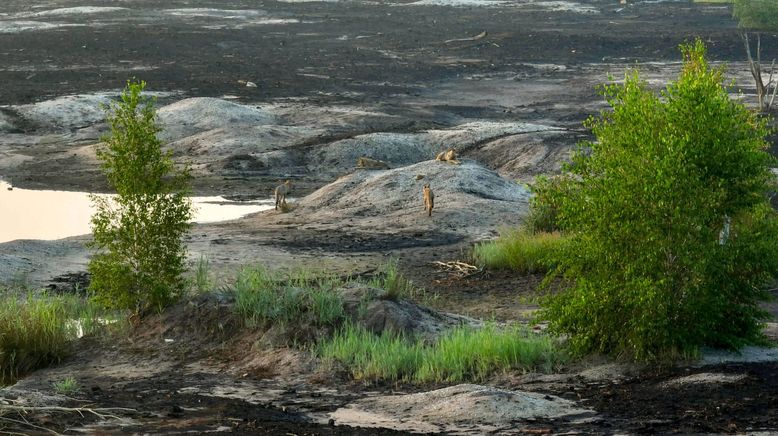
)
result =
(34, 214)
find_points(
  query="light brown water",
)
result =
(32, 214)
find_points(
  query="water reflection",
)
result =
(33, 214)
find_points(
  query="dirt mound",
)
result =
(5, 123)
(373, 309)
(468, 199)
(66, 113)
(194, 115)
(279, 362)
(477, 132)
(457, 408)
(249, 150)
(335, 118)
(199, 325)
(525, 156)
(399, 149)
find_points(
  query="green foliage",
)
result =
(66, 386)
(474, 354)
(36, 330)
(397, 286)
(138, 233)
(373, 357)
(544, 204)
(519, 250)
(262, 297)
(202, 280)
(463, 354)
(647, 275)
(757, 14)
(394, 283)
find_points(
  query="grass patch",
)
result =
(36, 330)
(519, 250)
(66, 386)
(201, 282)
(373, 357)
(398, 286)
(464, 354)
(263, 297)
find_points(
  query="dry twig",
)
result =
(462, 269)
(101, 413)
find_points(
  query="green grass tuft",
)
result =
(263, 297)
(474, 354)
(519, 250)
(398, 286)
(394, 283)
(464, 354)
(66, 386)
(202, 283)
(373, 357)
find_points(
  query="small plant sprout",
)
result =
(67, 386)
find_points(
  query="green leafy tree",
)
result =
(757, 14)
(753, 17)
(671, 237)
(139, 232)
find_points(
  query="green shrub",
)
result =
(649, 269)
(520, 250)
(544, 204)
(138, 233)
(464, 354)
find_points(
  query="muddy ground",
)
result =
(330, 72)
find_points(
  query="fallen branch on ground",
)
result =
(460, 268)
(21, 411)
(102, 413)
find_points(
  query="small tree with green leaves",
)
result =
(139, 232)
(753, 17)
(671, 237)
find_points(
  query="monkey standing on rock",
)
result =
(429, 199)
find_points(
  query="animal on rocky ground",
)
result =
(281, 193)
(429, 199)
(371, 164)
(449, 156)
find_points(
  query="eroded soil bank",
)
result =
(195, 368)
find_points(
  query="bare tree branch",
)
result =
(25, 423)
